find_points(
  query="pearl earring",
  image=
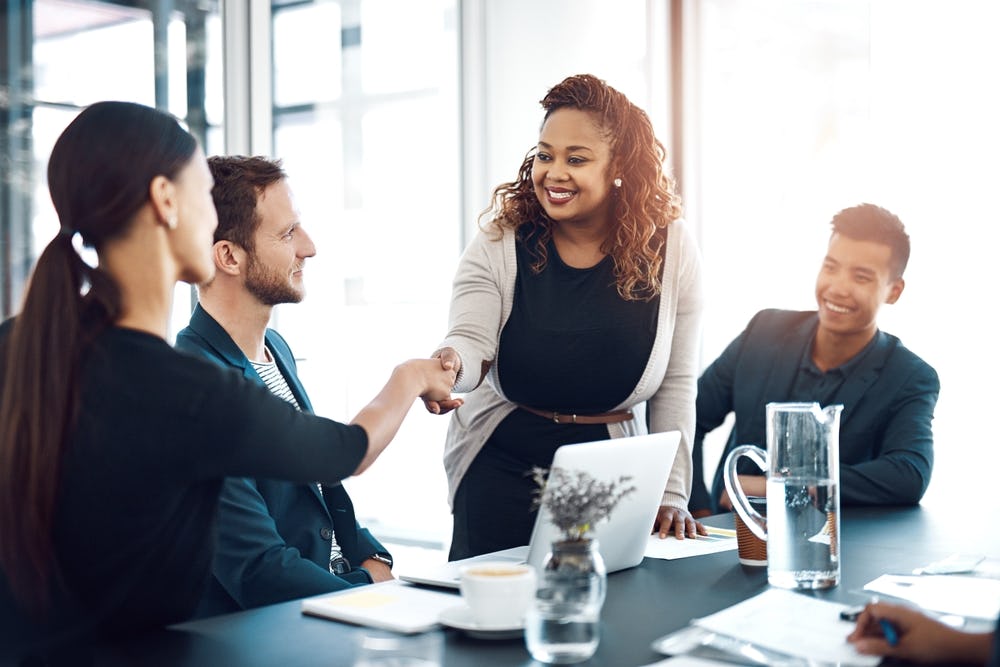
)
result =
(172, 222)
(618, 182)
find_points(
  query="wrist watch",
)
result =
(382, 558)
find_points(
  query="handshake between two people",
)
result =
(669, 520)
(440, 403)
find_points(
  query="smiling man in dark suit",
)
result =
(836, 354)
(276, 540)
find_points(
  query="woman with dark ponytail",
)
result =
(113, 446)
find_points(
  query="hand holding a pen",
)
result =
(904, 632)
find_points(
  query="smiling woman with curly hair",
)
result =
(643, 205)
(580, 305)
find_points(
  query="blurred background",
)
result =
(396, 119)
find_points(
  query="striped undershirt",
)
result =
(276, 383)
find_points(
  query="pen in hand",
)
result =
(889, 630)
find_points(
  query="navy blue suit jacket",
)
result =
(886, 442)
(274, 536)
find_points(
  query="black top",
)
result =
(571, 343)
(135, 514)
(811, 384)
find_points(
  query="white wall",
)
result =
(812, 107)
(528, 46)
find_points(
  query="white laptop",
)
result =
(622, 538)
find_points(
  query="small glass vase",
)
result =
(562, 625)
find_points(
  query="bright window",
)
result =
(806, 108)
(69, 51)
(366, 123)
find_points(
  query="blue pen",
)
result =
(890, 631)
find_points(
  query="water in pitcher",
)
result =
(803, 522)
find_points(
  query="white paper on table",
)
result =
(670, 548)
(988, 568)
(791, 623)
(974, 597)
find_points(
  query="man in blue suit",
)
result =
(836, 354)
(276, 540)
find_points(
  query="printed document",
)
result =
(791, 623)
(718, 539)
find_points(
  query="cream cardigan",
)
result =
(482, 298)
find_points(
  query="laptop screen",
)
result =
(622, 538)
(646, 460)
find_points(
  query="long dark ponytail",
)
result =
(99, 177)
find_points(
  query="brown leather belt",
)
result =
(562, 418)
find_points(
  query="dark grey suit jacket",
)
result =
(886, 442)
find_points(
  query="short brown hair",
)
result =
(239, 181)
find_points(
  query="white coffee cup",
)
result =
(498, 593)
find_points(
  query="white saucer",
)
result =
(460, 617)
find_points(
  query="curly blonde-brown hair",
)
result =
(645, 204)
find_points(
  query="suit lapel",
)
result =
(222, 343)
(285, 363)
(861, 378)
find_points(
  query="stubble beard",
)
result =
(270, 287)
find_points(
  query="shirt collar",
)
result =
(845, 369)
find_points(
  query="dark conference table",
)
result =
(643, 603)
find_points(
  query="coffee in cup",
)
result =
(498, 593)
